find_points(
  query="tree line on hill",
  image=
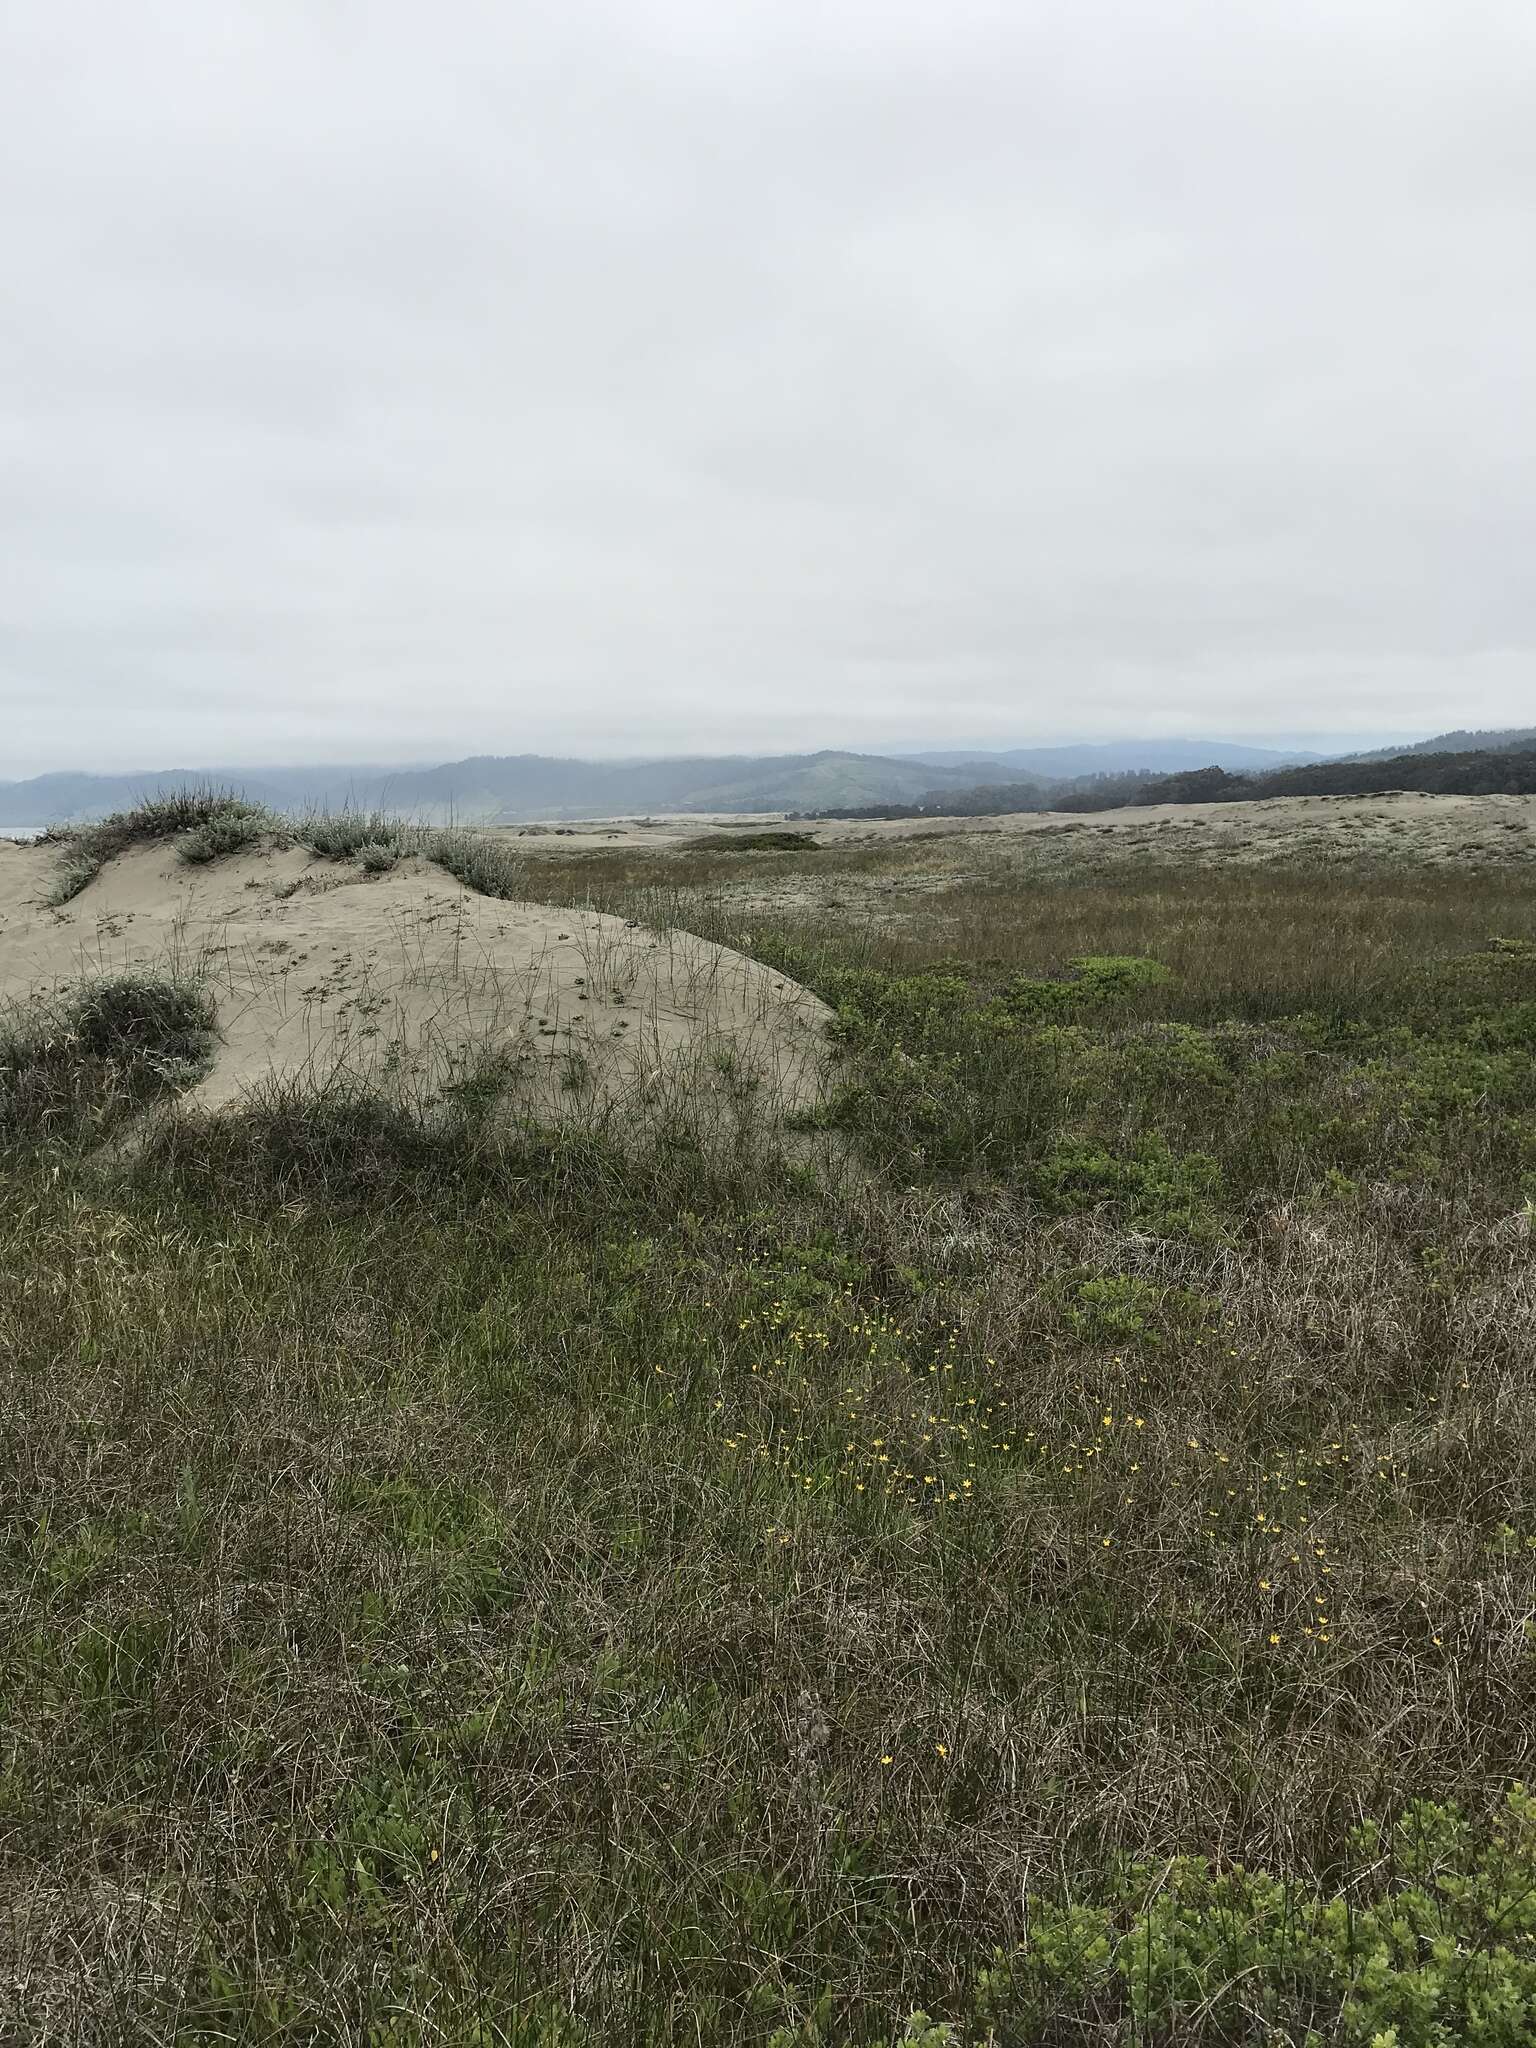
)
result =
(1481, 772)
(1506, 769)
(983, 800)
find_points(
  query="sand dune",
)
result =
(410, 977)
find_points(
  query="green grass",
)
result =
(1060, 1561)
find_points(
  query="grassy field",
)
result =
(1046, 1556)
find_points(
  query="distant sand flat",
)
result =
(1283, 825)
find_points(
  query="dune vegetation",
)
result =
(208, 824)
(1042, 1551)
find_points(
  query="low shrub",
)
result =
(754, 842)
(1153, 1187)
(1120, 1308)
(1433, 1942)
(1096, 982)
(73, 1065)
(488, 866)
(229, 832)
(342, 835)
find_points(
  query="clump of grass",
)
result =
(481, 862)
(74, 1064)
(342, 835)
(228, 832)
(74, 874)
(488, 866)
(340, 1139)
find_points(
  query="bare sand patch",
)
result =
(411, 978)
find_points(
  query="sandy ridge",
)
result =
(411, 977)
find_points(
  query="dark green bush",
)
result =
(1433, 1943)
(1097, 982)
(754, 842)
(1172, 1194)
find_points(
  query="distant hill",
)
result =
(1119, 757)
(1505, 768)
(1495, 771)
(486, 789)
(509, 788)
(1499, 740)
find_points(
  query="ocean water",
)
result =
(22, 831)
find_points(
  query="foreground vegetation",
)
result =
(1044, 1555)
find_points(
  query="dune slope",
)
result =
(409, 977)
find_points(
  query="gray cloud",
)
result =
(382, 381)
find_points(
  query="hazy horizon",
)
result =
(656, 378)
(277, 763)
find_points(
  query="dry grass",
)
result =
(465, 1586)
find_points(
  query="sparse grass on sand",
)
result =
(208, 824)
(1065, 1577)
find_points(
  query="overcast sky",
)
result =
(382, 380)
